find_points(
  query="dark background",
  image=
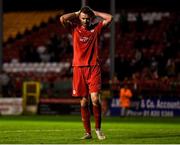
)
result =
(30, 5)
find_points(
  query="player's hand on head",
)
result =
(77, 13)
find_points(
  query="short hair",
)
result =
(87, 10)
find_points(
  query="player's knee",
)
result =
(84, 102)
(95, 97)
(95, 101)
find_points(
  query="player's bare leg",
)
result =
(95, 97)
(85, 115)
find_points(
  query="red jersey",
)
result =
(86, 45)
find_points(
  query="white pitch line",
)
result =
(49, 130)
(37, 130)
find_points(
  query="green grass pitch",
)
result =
(69, 130)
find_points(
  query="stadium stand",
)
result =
(150, 55)
(17, 22)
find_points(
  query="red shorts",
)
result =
(86, 79)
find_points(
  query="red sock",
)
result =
(85, 115)
(97, 115)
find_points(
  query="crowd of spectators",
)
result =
(140, 69)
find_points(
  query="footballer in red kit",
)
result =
(86, 35)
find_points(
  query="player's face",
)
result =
(85, 19)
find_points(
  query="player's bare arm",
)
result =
(107, 18)
(67, 18)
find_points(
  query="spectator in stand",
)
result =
(124, 24)
(171, 67)
(139, 23)
(44, 54)
(5, 84)
(31, 54)
(114, 85)
(106, 96)
(136, 81)
(17, 80)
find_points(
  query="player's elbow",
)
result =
(110, 19)
(61, 19)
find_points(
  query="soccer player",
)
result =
(86, 26)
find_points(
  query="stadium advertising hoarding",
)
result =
(162, 107)
(11, 106)
(52, 106)
(148, 107)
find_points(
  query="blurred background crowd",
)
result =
(36, 47)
